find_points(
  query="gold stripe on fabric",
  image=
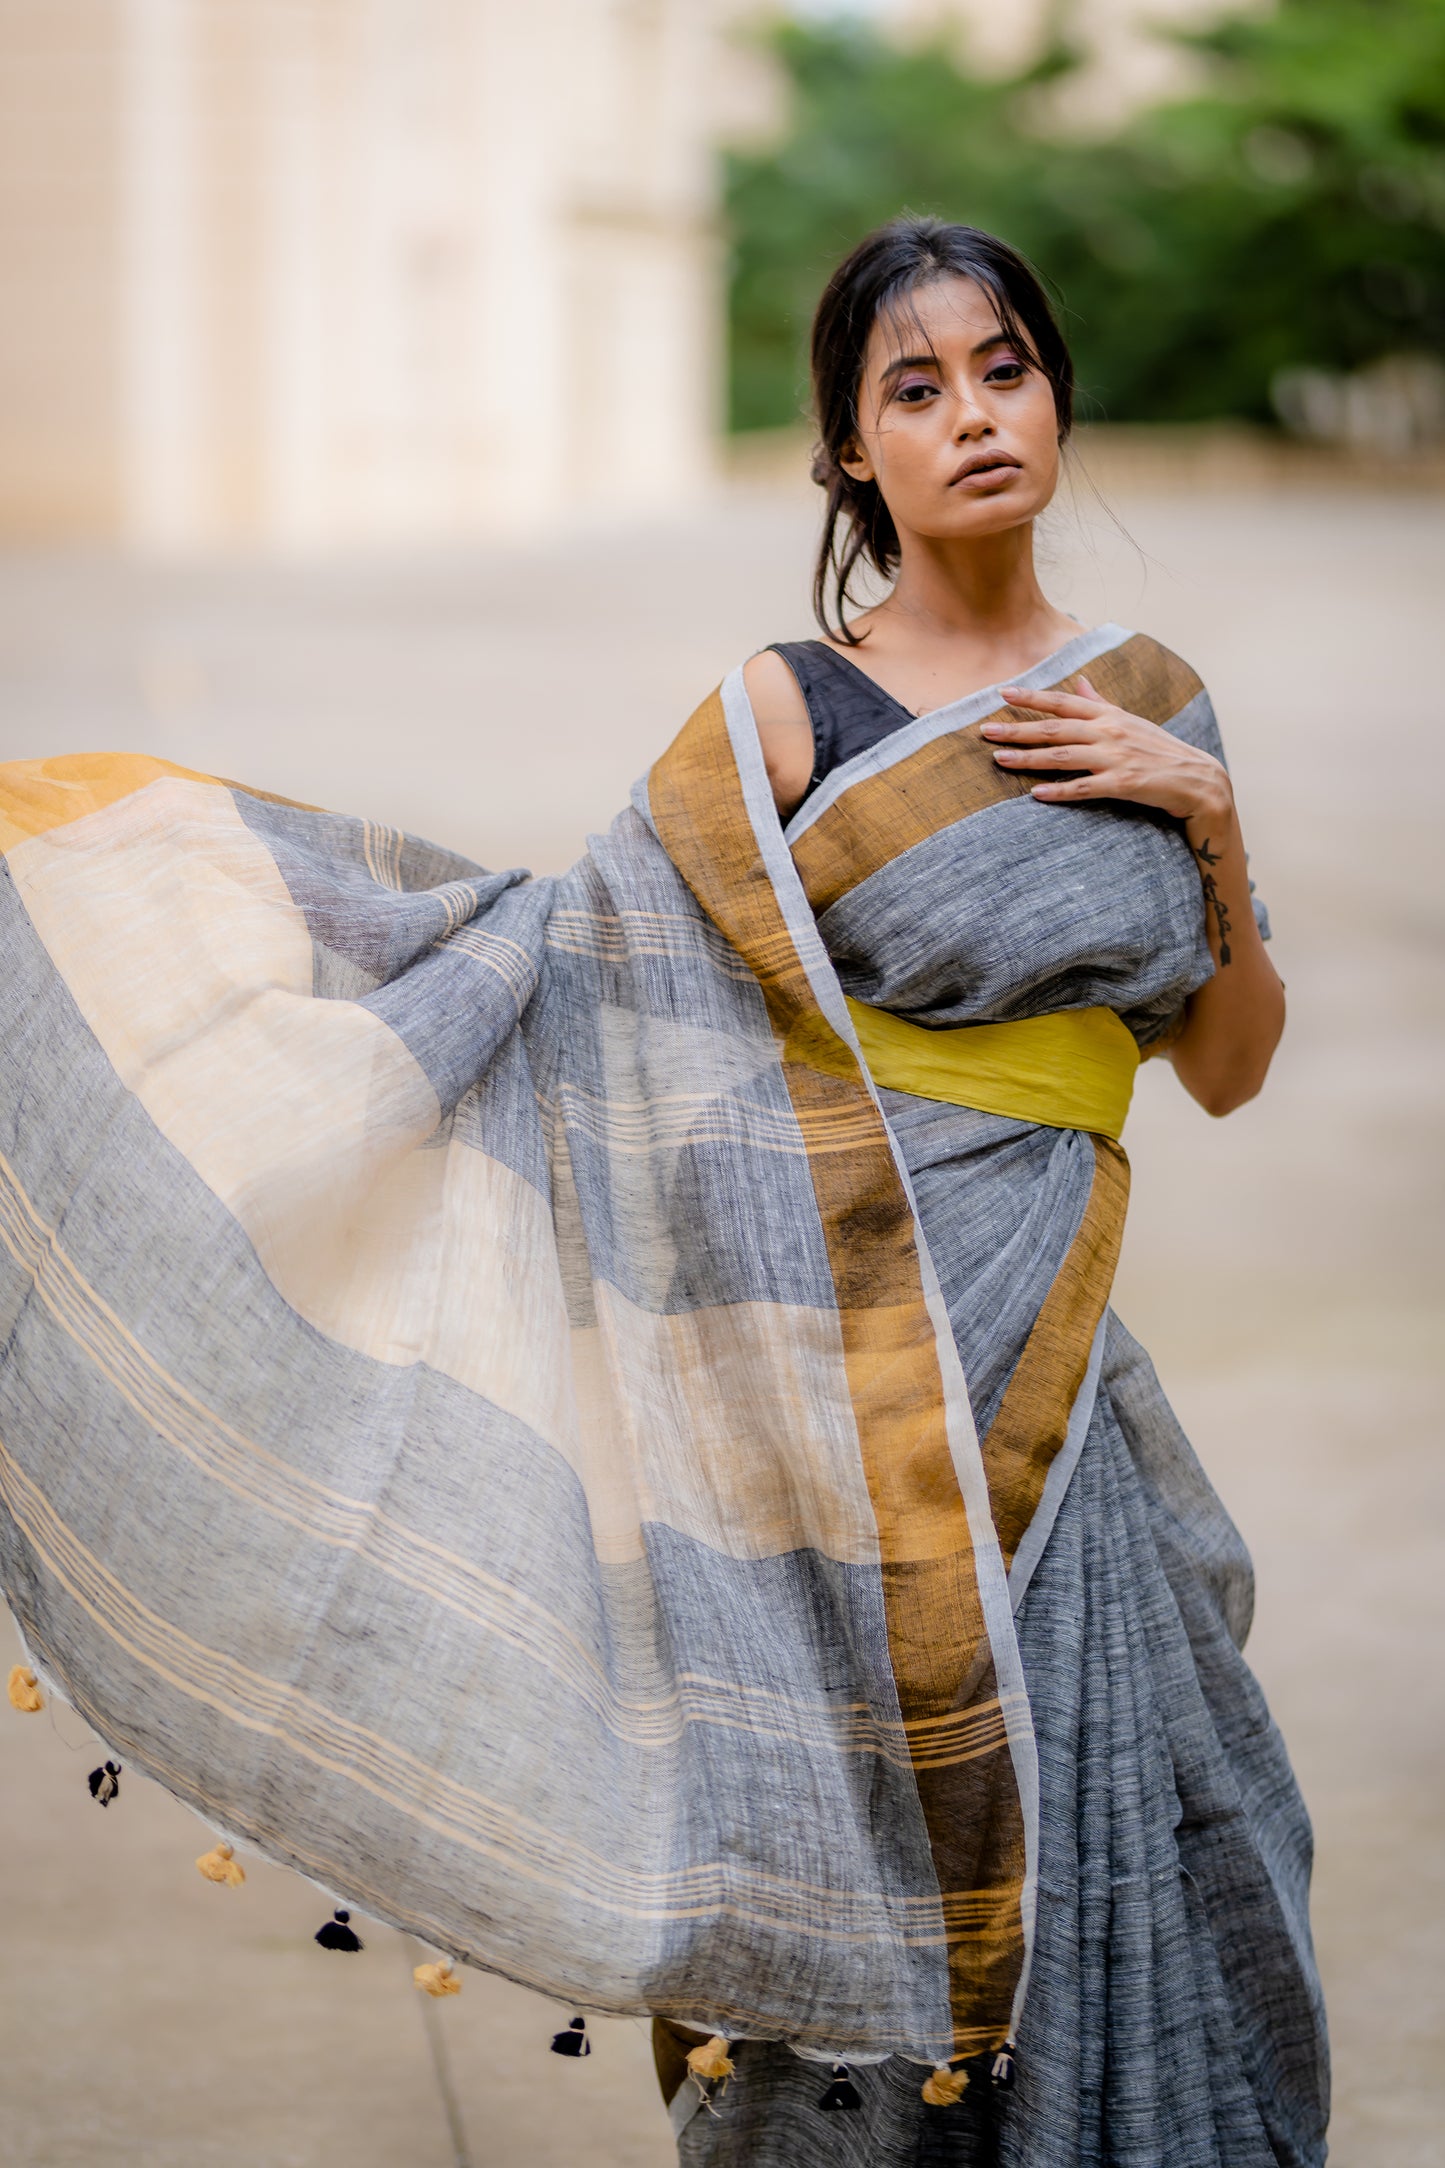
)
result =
(1033, 1416)
(1070, 1069)
(1142, 676)
(39, 795)
(883, 815)
(956, 775)
(937, 1638)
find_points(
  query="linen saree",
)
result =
(498, 1415)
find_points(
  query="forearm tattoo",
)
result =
(1213, 901)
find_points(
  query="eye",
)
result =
(916, 393)
(1007, 370)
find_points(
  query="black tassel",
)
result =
(842, 2093)
(338, 1933)
(105, 1783)
(574, 2040)
(1003, 2072)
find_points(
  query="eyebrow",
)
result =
(931, 361)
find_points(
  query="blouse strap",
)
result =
(836, 694)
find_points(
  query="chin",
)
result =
(1010, 505)
(993, 515)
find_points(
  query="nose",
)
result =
(973, 418)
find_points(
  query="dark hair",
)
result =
(873, 281)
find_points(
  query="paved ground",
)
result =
(1284, 1266)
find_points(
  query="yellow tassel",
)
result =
(437, 1979)
(944, 2086)
(711, 2060)
(25, 1690)
(222, 1865)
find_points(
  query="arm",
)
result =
(1233, 1023)
(784, 730)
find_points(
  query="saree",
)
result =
(483, 1415)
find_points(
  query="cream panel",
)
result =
(303, 1116)
(733, 1425)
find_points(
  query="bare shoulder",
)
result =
(773, 690)
(784, 730)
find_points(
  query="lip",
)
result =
(985, 466)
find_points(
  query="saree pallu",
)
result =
(481, 1417)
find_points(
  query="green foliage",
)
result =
(1294, 215)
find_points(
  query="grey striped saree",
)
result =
(500, 1414)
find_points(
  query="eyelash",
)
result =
(992, 376)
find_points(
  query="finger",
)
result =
(1078, 786)
(1043, 731)
(1051, 756)
(1050, 703)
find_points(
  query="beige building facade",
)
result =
(300, 273)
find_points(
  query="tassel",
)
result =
(222, 1866)
(711, 2060)
(437, 1979)
(842, 2093)
(944, 2086)
(574, 2040)
(338, 1933)
(25, 1693)
(1004, 2068)
(105, 1783)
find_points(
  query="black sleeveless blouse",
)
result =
(847, 710)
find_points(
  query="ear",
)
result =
(855, 462)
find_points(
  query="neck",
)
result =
(984, 588)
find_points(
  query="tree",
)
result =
(1292, 215)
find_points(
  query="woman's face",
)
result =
(956, 422)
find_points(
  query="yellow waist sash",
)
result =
(1073, 1069)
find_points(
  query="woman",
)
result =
(1173, 2013)
(582, 1414)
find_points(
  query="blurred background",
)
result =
(402, 406)
(309, 273)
